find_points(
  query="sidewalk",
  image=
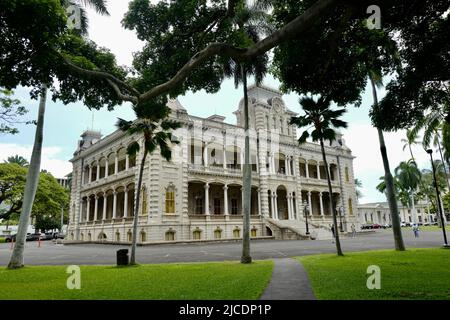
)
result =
(289, 282)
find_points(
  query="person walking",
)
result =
(416, 230)
(353, 231)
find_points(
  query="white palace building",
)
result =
(198, 195)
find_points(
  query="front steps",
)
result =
(296, 230)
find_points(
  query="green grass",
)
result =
(412, 274)
(203, 281)
(2, 240)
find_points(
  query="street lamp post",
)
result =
(438, 197)
(306, 209)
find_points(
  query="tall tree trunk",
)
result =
(34, 168)
(246, 258)
(136, 209)
(389, 181)
(330, 191)
(410, 151)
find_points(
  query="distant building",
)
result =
(378, 212)
(64, 182)
(198, 195)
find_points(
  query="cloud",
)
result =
(49, 161)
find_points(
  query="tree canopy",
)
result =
(50, 196)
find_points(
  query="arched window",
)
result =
(72, 236)
(129, 236)
(236, 233)
(170, 200)
(197, 234)
(253, 232)
(217, 234)
(82, 236)
(89, 236)
(170, 235)
(102, 236)
(347, 175)
(144, 200)
(143, 236)
(350, 206)
(267, 123)
(117, 236)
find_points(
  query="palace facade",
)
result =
(198, 194)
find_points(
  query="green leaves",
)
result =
(10, 112)
(153, 125)
(320, 117)
(50, 196)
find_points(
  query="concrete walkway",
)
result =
(289, 282)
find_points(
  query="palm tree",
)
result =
(253, 22)
(153, 125)
(376, 81)
(16, 260)
(409, 177)
(411, 139)
(21, 161)
(359, 185)
(322, 119)
(435, 126)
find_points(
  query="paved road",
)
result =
(93, 254)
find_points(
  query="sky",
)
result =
(65, 123)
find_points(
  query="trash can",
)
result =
(122, 257)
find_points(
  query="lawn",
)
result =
(429, 228)
(412, 274)
(2, 240)
(202, 281)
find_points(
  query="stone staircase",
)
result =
(296, 230)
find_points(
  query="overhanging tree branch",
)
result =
(297, 26)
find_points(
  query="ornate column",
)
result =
(105, 203)
(116, 164)
(88, 208)
(224, 156)
(310, 203)
(289, 198)
(90, 174)
(276, 205)
(207, 199)
(286, 165)
(106, 168)
(205, 155)
(273, 163)
(82, 176)
(127, 161)
(96, 208)
(318, 170)
(114, 215)
(259, 202)
(321, 203)
(98, 171)
(272, 206)
(125, 203)
(225, 200)
(307, 169)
